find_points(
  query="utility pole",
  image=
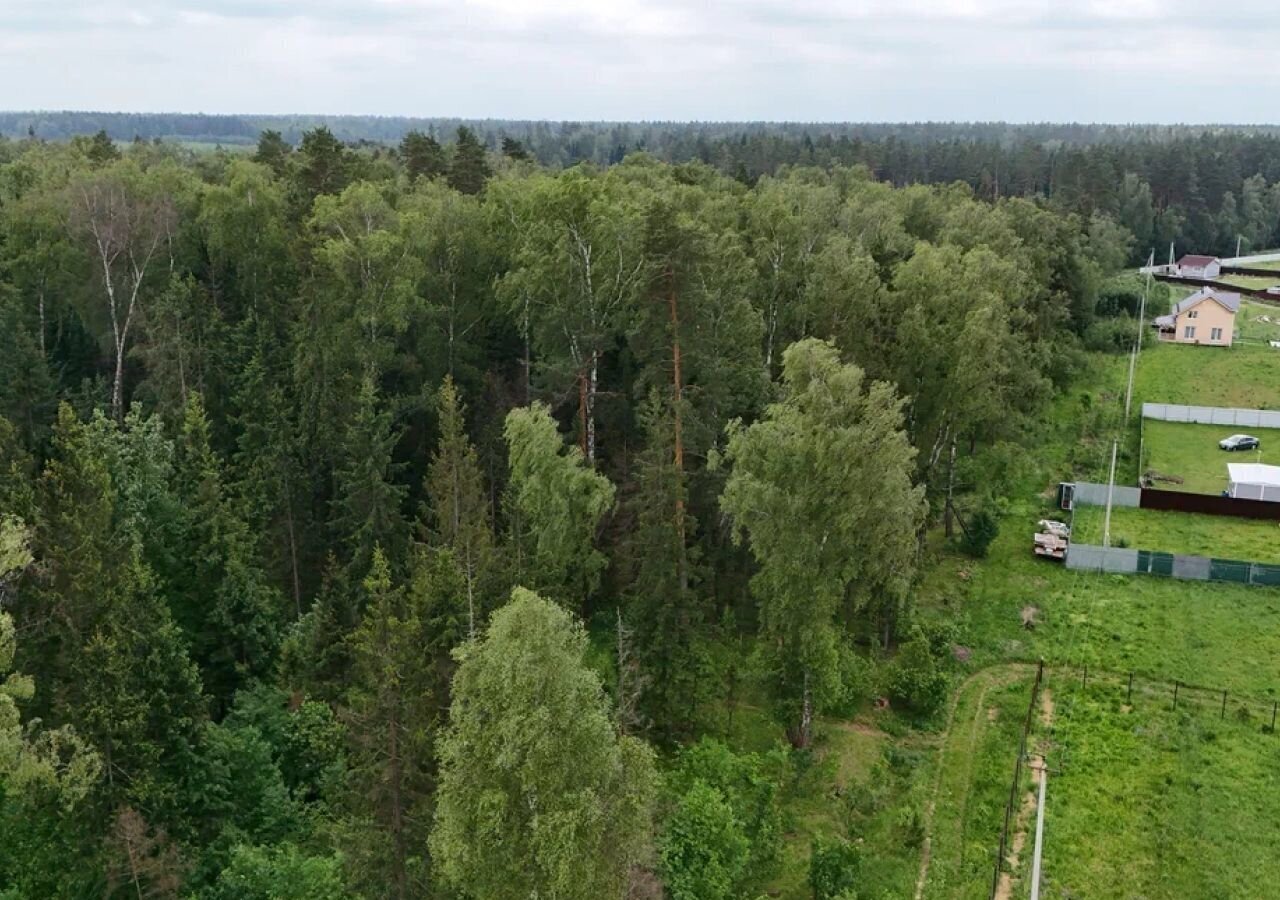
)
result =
(1111, 488)
(1038, 854)
(1137, 344)
(1238, 239)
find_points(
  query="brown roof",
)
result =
(1198, 262)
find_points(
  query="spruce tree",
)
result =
(367, 507)
(458, 504)
(230, 613)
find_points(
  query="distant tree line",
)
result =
(1198, 188)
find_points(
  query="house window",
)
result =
(1215, 334)
(1193, 314)
(1189, 332)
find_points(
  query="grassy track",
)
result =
(975, 763)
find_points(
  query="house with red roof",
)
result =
(1192, 266)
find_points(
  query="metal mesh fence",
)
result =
(1125, 561)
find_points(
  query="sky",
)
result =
(794, 60)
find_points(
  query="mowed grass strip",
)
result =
(1156, 803)
(1222, 537)
(1190, 452)
(1245, 376)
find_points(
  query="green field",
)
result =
(1190, 452)
(1156, 803)
(1246, 376)
(1258, 322)
(1223, 537)
(1252, 282)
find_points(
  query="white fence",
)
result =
(1089, 493)
(1212, 415)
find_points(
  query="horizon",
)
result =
(1016, 61)
(306, 114)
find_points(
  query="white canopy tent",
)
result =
(1254, 481)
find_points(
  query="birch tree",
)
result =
(821, 488)
(580, 267)
(125, 219)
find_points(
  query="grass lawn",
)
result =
(1253, 282)
(1190, 452)
(1246, 376)
(1156, 803)
(1258, 322)
(1262, 264)
(1206, 633)
(1252, 540)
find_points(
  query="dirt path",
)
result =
(1022, 824)
(992, 677)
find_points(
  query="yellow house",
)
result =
(1206, 317)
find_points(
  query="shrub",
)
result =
(856, 674)
(704, 850)
(833, 869)
(915, 679)
(981, 529)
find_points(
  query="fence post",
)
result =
(1175, 695)
(1222, 715)
(1128, 697)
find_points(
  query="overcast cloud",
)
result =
(861, 60)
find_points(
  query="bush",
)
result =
(1111, 335)
(833, 869)
(856, 675)
(749, 784)
(981, 529)
(915, 679)
(703, 849)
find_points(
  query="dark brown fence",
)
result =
(1258, 293)
(1011, 804)
(1210, 504)
(1248, 270)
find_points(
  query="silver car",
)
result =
(1239, 442)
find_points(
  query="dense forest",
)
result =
(408, 522)
(1200, 189)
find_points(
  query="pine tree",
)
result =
(423, 156)
(273, 151)
(469, 169)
